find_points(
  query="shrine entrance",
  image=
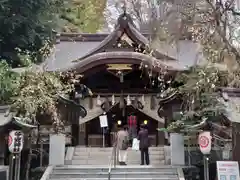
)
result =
(94, 136)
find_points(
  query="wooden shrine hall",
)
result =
(126, 76)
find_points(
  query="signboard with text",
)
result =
(103, 121)
(228, 170)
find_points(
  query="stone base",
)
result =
(4, 172)
(57, 149)
(177, 149)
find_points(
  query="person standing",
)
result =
(122, 145)
(144, 144)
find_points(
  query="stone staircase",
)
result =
(101, 156)
(71, 172)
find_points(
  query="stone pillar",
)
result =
(177, 149)
(81, 134)
(4, 172)
(57, 149)
(161, 138)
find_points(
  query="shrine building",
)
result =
(127, 78)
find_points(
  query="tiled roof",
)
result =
(65, 52)
(80, 46)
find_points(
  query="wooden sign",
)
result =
(119, 67)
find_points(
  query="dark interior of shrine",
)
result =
(116, 114)
(134, 81)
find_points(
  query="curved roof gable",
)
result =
(125, 26)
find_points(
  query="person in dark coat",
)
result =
(144, 144)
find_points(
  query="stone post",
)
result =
(4, 172)
(57, 149)
(177, 149)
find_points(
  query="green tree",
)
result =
(37, 92)
(82, 15)
(25, 25)
(7, 87)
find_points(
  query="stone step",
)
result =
(70, 172)
(93, 149)
(108, 158)
(106, 178)
(136, 154)
(63, 175)
(96, 169)
(90, 149)
(129, 162)
(138, 160)
(130, 153)
(106, 155)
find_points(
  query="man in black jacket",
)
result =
(144, 144)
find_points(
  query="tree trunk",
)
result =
(28, 166)
(38, 135)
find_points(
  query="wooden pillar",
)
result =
(2, 149)
(75, 134)
(82, 134)
(161, 137)
(75, 126)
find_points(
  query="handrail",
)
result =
(47, 173)
(180, 174)
(113, 159)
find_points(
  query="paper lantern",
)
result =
(205, 142)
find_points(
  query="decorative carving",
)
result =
(119, 67)
(125, 38)
(160, 112)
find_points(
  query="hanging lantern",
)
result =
(113, 100)
(143, 100)
(128, 101)
(99, 102)
(205, 142)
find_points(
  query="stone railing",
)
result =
(47, 173)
